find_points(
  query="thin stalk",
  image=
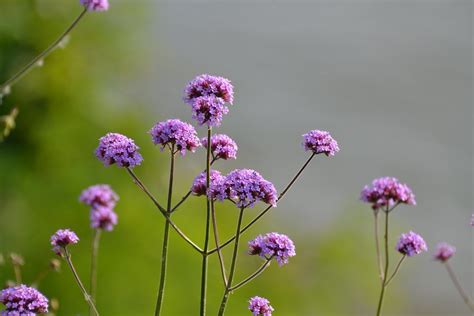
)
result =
(164, 251)
(17, 271)
(93, 276)
(377, 245)
(262, 213)
(185, 197)
(458, 286)
(382, 291)
(252, 276)
(87, 297)
(202, 309)
(399, 264)
(216, 239)
(163, 211)
(10, 82)
(227, 291)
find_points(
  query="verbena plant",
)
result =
(209, 98)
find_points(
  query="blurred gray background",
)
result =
(391, 80)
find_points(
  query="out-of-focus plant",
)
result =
(385, 194)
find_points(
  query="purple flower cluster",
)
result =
(62, 238)
(95, 5)
(208, 85)
(260, 306)
(320, 142)
(199, 186)
(99, 195)
(411, 244)
(246, 187)
(270, 245)
(117, 148)
(207, 96)
(103, 218)
(472, 220)
(176, 133)
(209, 110)
(102, 199)
(444, 251)
(387, 192)
(222, 147)
(23, 301)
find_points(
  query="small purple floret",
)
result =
(199, 186)
(246, 187)
(63, 238)
(260, 306)
(209, 110)
(175, 132)
(320, 142)
(118, 149)
(23, 301)
(99, 195)
(444, 251)
(103, 218)
(387, 192)
(207, 85)
(222, 146)
(278, 246)
(95, 5)
(411, 244)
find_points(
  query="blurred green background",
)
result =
(94, 86)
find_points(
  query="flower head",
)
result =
(246, 187)
(207, 85)
(472, 220)
(95, 5)
(411, 244)
(222, 146)
(273, 245)
(23, 301)
(209, 110)
(199, 186)
(99, 195)
(387, 192)
(260, 306)
(63, 238)
(177, 133)
(444, 251)
(320, 142)
(117, 148)
(103, 218)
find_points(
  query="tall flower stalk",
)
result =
(205, 255)
(164, 252)
(60, 241)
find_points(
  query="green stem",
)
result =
(399, 264)
(253, 275)
(227, 291)
(262, 213)
(458, 286)
(185, 197)
(87, 297)
(164, 253)
(202, 308)
(7, 84)
(93, 276)
(382, 291)
(377, 245)
(140, 184)
(216, 239)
